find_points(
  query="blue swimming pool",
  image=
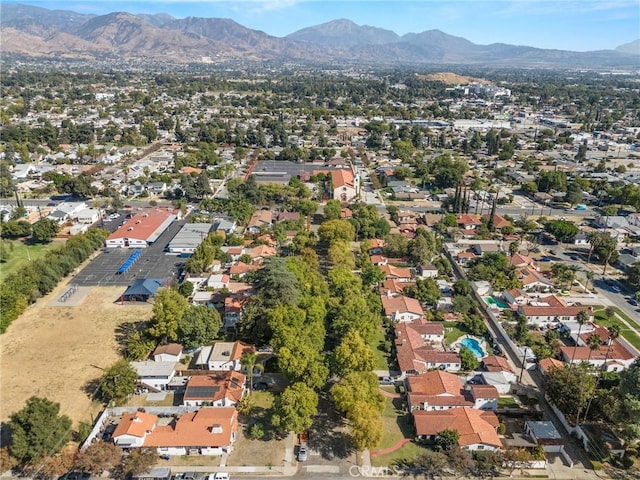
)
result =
(473, 345)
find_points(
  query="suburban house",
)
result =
(614, 355)
(209, 431)
(223, 356)
(418, 351)
(552, 309)
(468, 223)
(142, 229)
(218, 281)
(428, 271)
(396, 273)
(170, 352)
(89, 215)
(495, 363)
(531, 279)
(436, 390)
(259, 220)
(485, 397)
(518, 260)
(220, 389)
(503, 381)
(155, 375)
(401, 309)
(477, 428)
(133, 428)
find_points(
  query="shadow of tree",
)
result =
(92, 388)
(260, 416)
(124, 331)
(327, 432)
(404, 419)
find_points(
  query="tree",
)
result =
(294, 409)
(513, 248)
(629, 392)
(570, 388)
(468, 360)
(633, 275)
(353, 355)
(447, 440)
(118, 382)
(98, 457)
(168, 309)
(44, 230)
(340, 253)
(248, 361)
(562, 230)
(371, 274)
(357, 387)
(199, 325)
(332, 210)
(425, 290)
(582, 318)
(38, 430)
(462, 287)
(276, 283)
(366, 426)
(334, 230)
(594, 342)
(139, 461)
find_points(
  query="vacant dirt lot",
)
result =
(54, 352)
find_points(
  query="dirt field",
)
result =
(54, 351)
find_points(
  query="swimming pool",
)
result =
(473, 345)
(495, 302)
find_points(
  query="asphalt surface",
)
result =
(153, 262)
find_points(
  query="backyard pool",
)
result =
(494, 302)
(473, 345)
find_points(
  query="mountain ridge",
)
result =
(162, 37)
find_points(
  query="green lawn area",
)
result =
(21, 254)
(396, 423)
(507, 402)
(629, 335)
(452, 332)
(377, 345)
(409, 451)
(626, 317)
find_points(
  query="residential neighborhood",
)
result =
(447, 274)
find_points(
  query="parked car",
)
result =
(260, 386)
(303, 453)
(221, 476)
(615, 288)
(633, 302)
(545, 259)
(386, 380)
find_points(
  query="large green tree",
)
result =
(366, 426)
(570, 388)
(294, 409)
(118, 382)
(353, 355)
(44, 230)
(168, 309)
(38, 430)
(199, 325)
(357, 387)
(334, 230)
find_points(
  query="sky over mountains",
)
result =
(583, 25)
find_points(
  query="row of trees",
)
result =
(40, 277)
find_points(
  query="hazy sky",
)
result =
(564, 24)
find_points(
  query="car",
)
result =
(75, 476)
(386, 380)
(564, 293)
(303, 453)
(633, 302)
(615, 288)
(545, 259)
(221, 476)
(260, 386)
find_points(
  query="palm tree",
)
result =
(594, 342)
(582, 318)
(589, 275)
(126, 170)
(614, 332)
(249, 361)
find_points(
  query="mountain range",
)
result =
(57, 34)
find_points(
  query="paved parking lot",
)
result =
(154, 262)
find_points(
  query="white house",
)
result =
(133, 428)
(89, 215)
(154, 375)
(171, 352)
(485, 397)
(402, 309)
(223, 356)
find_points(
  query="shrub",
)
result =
(256, 431)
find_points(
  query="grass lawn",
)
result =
(377, 345)
(629, 335)
(396, 423)
(452, 332)
(409, 451)
(21, 254)
(626, 317)
(507, 402)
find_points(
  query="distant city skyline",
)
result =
(567, 25)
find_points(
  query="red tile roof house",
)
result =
(397, 273)
(259, 220)
(220, 389)
(133, 428)
(614, 358)
(485, 397)
(463, 258)
(436, 390)
(518, 260)
(466, 221)
(418, 350)
(401, 309)
(209, 431)
(533, 280)
(477, 428)
(552, 310)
